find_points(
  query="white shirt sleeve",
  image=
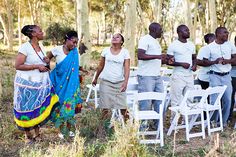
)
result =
(201, 52)
(54, 51)
(23, 49)
(170, 50)
(206, 52)
(104, 52)
(194, 49)
(142, 44)
(233, 48)
(127, 55)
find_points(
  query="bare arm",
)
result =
(99, 70)
(126, 73)
(172, 62)
(143, 56)
(20, 64)
(230, 61)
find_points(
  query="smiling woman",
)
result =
(65, 79)
(34, 96)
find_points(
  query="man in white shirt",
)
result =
(220, 55)
(149, 65)
(183, 52)
(203, 76)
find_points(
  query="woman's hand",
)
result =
(123, 87)
(94, 82)
(42, 68)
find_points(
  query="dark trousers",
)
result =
(232, 98)
(203, 84)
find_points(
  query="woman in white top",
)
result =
(65, 79)
(114, 68)
(34, 96)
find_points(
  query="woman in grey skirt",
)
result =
(113, 70)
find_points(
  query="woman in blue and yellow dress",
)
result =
(34, 95)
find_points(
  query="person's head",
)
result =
(71, 39)
(155, 30)
(117, 39)
(222, 34)
(32, 31)
(183, 32)
(82, 48)
(209, 38)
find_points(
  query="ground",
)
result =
(97, 139)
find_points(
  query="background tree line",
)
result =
(96, 20)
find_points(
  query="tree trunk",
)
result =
(130, 29)
(5, 28)
(19, 22)
(156, 7)
(188, 17)
(195, 21)
(212, 11)
(10, 25)
(83, 29)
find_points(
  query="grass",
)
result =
(92, 137)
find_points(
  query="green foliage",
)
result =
(95, 149)
(56, 33)
(90, 123)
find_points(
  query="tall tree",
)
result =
(6, 19)
(213, 17)
(130, 28)
(83, 29)
(156, 7)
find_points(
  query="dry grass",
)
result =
(92, 138)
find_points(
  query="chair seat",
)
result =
(188, 110)
(147, 115)
(211, 107)
(91, 86)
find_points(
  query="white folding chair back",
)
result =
(150, 115)
(95, 89)
(191, 105)
(215, 106)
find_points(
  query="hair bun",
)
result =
(25, 30)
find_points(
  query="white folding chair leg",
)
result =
(96, 98)
(89, 93)
(117, 113)
(203, 126)
(187, 127)
(174, 124)
(160, 127)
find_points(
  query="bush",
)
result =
(56, 32)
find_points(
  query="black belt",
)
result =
(217, 73)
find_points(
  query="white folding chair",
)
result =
(95, 89)
(215, 106)
(150, 115)
(189, 106)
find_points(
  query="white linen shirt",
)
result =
(113, 70)
(203, 71)
(182, 52)
(152, 47)
(215, 51)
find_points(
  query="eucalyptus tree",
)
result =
(6, 20)
(130, 28)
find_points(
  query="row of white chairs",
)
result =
(186, 108)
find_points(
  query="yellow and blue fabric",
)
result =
(65, 79)
(34, 102)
